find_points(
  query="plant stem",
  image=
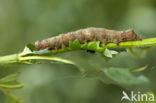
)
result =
(9, 59)
(135, 44)
(20, 58)
(44, 58)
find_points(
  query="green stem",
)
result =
(20, 58)
(135, 44)
(9, 59)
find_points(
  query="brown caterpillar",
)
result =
(86, 35)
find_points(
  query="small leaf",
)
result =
(92, 45)
(100, 49)
(84, 46)
(113, 52)
(107, 53)
(74, 45)
(122, 76)
(31, 47)
(27, 50)
(118, 49)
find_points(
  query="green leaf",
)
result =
(10, 81)
(113, 52)
(27, 50)
(99, 49)
(31, 47)
(109, 53)
(74, 45)
(92, 45)
(123, 77)
(84, 46)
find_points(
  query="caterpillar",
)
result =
(86, 35)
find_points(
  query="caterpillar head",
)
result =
(130, 35)
(38, 45)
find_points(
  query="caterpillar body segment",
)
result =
(86, 35)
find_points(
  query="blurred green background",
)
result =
(25, 21)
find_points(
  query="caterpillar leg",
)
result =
(116, 42)
(56, 48)
(104, 41)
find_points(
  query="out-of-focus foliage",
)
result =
(25, 21)
(10, 82)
